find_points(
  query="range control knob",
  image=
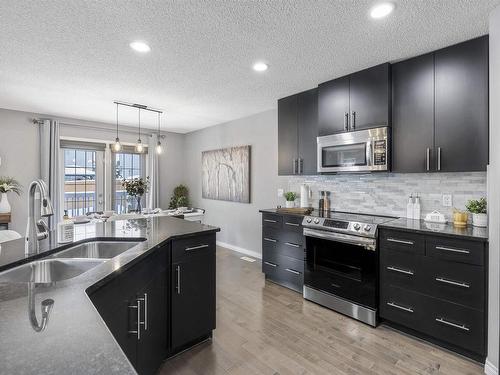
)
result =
(356, 226)
(316, 221)
(367, 228)
(309, 219)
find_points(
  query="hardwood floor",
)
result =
(263, 328)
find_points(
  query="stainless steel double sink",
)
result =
(67, 263)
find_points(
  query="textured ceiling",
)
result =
(71, 58)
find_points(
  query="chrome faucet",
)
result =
(37, 230)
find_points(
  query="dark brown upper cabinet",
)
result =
(358, 101)
(440, 110)
(297, 132)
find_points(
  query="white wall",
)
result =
(494, 194)
(239, 222)
(19, 150)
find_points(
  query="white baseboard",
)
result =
(240, 250)
(489, 368)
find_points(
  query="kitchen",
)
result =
(348, 238)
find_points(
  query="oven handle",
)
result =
(367, 243)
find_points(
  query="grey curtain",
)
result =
(50, 166)
(153, 173)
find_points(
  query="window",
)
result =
(126, 165)
(79, 181)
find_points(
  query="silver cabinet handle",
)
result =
(271, 264)
(346, 121)
(406, 242)
(428, 158)
(353, 121)
(291, 244)
(301, 166)
(292, 271)
(292, 224)
(145, 300)
(294, 166)
(395, 269)
(451, 249)
(270, 221)
(178, 287)
(439, 158)
(196, 247)
(395, 305)
(270, 239)
(463, 327)
(451, 282)
(138, 329)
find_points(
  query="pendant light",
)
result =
(117, 145)
(159, 149)
(139, 147)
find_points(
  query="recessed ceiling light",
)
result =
(140, 47)
(260, 67)
(382, 10)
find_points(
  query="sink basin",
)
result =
(96, 250)
(49, 270)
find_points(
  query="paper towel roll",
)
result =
(305, 193)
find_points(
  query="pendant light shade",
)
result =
(159, 149)
(139, 147)
(117, 145)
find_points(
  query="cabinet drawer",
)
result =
(455, 250)
(293, 223)
(402, 241)
(184, 248)
(269, 234)
(401, 269)
(456, 282)
(401, 306)
(455, 324)
(272, 220)
(274, 247)
(285, 271)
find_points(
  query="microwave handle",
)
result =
(369, 153)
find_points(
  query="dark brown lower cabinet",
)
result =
(436, 287)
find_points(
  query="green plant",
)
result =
(8, 184)
(290, 196)
(136, 186)
(180, 197)
(476, 206)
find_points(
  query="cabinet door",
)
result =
(461, 122)
(152, 346)
(287, 136)
(370, 98)
(333, 106)
(193, 299)
(307, 120)
(413, 114)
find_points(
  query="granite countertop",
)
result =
(76, 339)
(448, 229)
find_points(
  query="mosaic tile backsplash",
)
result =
(387, 193)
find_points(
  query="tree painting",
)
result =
(226, 174)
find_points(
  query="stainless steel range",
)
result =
(341, 263)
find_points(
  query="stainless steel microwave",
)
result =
(356, 151)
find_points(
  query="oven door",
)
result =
(342, 265)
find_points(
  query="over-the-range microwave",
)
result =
(356, 151)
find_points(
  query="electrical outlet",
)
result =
(447, 200)
(280, 193)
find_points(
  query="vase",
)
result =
(479, 220)
(4, 204)
(290, 204)
(138, 207)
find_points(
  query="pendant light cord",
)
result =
(116, 120)
(158, 125)
(139, 124)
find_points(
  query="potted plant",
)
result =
(290, 197)
(478, 210)
(8, 184)
(136, 188)
(179, 198)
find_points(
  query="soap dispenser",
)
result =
(416, 208)
(409, 208)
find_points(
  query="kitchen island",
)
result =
(79, 336)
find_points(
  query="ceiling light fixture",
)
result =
(139, 46)
(117, 145)
(382, 10)
(139, 147)
(159, 149)
(260, 67)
